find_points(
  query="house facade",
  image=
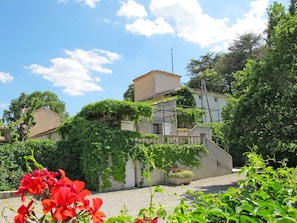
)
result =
(212, 103)
(5, 134)
(155, 84)
(163, 123)
(47, 122)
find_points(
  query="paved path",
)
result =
(135, 199)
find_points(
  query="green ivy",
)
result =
(112, 112)
(188, 117)
(95, 150)
(165, 156)
(103, 151)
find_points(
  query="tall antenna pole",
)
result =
(172, 70)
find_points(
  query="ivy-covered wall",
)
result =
(93, 147)
(102, 152)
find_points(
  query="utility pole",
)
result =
(205, 90)
(172, 70)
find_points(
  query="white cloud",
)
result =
(253, 20)
(90, 3)
(75, 72)
(141, 25)
(148, 28)
(186, 19)
(5, 77)
(132, 9)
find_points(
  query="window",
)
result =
(157, 128)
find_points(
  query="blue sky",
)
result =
(90, 50)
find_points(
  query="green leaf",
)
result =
(247, 219)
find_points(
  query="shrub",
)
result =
(181, 174)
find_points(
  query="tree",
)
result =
(263, 111)
(246, 46)
(185, 98)
(31, 102)
(129, 94)
(213, 81)
(23, 108)
(204, 70)
(218, 69)
(206, 62)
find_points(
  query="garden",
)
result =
(264, 195)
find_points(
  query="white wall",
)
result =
(216, 102)
(216, 162)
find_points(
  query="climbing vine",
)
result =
(112, 112)
(103, 151)
(188, 117)
(188, 155)
(96, 151)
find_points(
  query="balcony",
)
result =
(171, 139)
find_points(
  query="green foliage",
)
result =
(100, 151)
(181, 174)
(244, 47)
(266, 195)
(23, 108)
(32, 102)
(13, 165)
(94, 152)
(206, 62)
(217, 134)
(112, 112)
(264, 110)
(129, 94)
(185, 98)
(188, 117)
(10, 171)
(103, 151)
(188, 155)
(213, 81)
(217, 69)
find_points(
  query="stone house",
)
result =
(157, 84)
(47, 122)
(5, 134)
(154, 84)
(211, 103)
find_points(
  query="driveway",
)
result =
(135, 199)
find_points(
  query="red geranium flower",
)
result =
(147, 220)
(23, 212)
(62, 198)
(78, 188)
(37, 182)
(96, 214)
(61, 201)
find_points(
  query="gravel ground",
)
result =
(135, 199)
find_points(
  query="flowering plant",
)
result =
(176, 169)
(62, 199)
(180, 173)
